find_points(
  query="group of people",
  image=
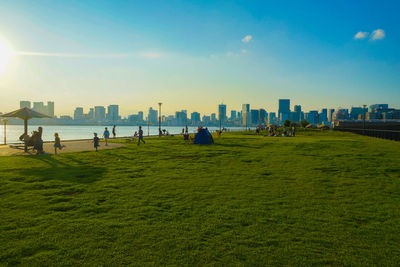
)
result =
(36, 141)
(275, 131)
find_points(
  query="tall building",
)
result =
(272, 118)
(297, 114)
(181, 118)
(152, 116)
(38, 106)
(246, 114)
(323, 116)
(330, 114)
(24, 104)
(355, 112)
(262, 116)
(195, 118)
(113, 113)
(49, 109)
(233, 115)
(99, 113)
(222, 112)
(312, 116)
(78, 114)
(213, 117)
(284, 109)
(374, 107)
(140, 117)
(90, 115)
(254, 114)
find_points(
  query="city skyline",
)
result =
(247, 116)
(137, 53)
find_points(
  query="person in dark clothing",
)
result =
(114, 132)
(96, 141)
(140, 136)
(38, 141)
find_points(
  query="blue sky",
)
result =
(194, 54)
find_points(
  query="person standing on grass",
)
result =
(106, 135)
(114, 132)
(140, 136)
(96, 141)
(57, 143)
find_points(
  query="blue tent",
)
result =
(203, 137)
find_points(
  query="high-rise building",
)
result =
(38, 106)
(246, 114)
(284, 109)
(24, 104)
(297, 114)
(113, 113)
(374, 107)
(233, 115)
(181, 118)
(99, 113)
(262, 116)
(140, 117)
(49, 109)
(78, 114)
(213, 117)
(355, 112)
(90, 115)
(312, 116)
(152, 116)
(222, 112)
(272, 118)
(195, 118)
(330, 114)
(254, 116)
(323, 116)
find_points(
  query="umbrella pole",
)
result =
(26, 132)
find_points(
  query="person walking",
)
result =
(140, 136)
(106, 135)
(57, 143)
(114, 132)
(38, 141)
(96, 142)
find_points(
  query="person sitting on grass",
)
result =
(140, 136)
(106, 135)
(57, 143)
(96, 141)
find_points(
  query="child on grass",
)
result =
(96, 141)
(57, 143)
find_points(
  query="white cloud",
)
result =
(361, 35)
(247, 38)
(150, 55)
(378, 34)
(244, 51)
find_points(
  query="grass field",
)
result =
(320, 198)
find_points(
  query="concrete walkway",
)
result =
(70, 146)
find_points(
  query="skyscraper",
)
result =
(233, 114)
(254, 116)
(246, 114)
(49, 109)
(262, 116)
(24, 104)
(284, 109)
(222, 112)
(330, 114)
(38, 106)
(152, 116)
(195, 118)
(113, 113)
(99, 113)
(78, 113)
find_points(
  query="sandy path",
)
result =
(70, 146)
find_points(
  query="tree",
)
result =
(304, 123)
(286, 123)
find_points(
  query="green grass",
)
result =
(321, 198)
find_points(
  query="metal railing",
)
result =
(384, 134)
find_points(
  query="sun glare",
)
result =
(5, 53)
